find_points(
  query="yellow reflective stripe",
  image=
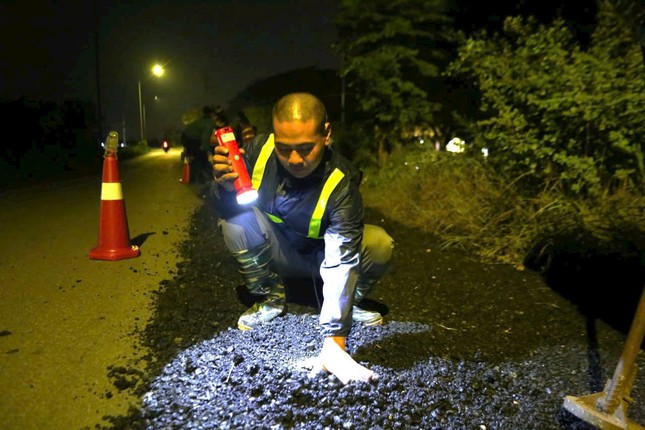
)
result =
(260, 164)
(316, 217)
(274, 218)
(111, 191)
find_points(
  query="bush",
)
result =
(582, 130)
(132, 151)
(468, 206)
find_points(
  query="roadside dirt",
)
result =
(465, 345)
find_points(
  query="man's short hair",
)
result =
(301, 107)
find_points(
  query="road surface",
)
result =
(65, 318)
(465, 345)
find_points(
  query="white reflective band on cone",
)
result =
(111, 191)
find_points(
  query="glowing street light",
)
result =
(158, 71)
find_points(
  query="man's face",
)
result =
(299, 147)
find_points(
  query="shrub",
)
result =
(132, 151)
(468, 206)
(555, 113)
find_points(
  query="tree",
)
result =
(553, 113)
(633, 12)
(324, 83)
(391, 49)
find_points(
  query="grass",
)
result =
(466, 205)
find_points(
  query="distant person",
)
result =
(196, 142)
(221, 120)
(245, 131)
(306, 222)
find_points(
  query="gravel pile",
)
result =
(464, 346)
(261, 380)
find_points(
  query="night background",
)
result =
(212, 51)
(501, 145)
(75, 66)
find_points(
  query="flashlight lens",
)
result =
(246, 197)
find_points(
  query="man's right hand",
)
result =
(222, 168)
(334, 359)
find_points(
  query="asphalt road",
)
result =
(64, 319)
(466, 345)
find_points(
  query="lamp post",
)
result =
(140, 110)
(158, 71)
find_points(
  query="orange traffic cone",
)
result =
(186, 178)
(114, 237)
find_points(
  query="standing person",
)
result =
(196, 142)
(307, 222)
(221, 120)
(245, 131)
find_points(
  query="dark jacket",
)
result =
(196, 136)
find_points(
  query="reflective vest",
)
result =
(330, 185)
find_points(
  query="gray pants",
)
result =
(252, 229)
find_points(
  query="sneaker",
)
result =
(261, 313)
(365, 317)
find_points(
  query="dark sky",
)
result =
(212, 50)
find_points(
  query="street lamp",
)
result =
(158, 71)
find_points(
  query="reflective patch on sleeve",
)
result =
(111, 191)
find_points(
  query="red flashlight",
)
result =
(245, 193)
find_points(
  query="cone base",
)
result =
(114, 254)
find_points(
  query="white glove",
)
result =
(334, 359)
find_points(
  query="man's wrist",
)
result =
(337, 340)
